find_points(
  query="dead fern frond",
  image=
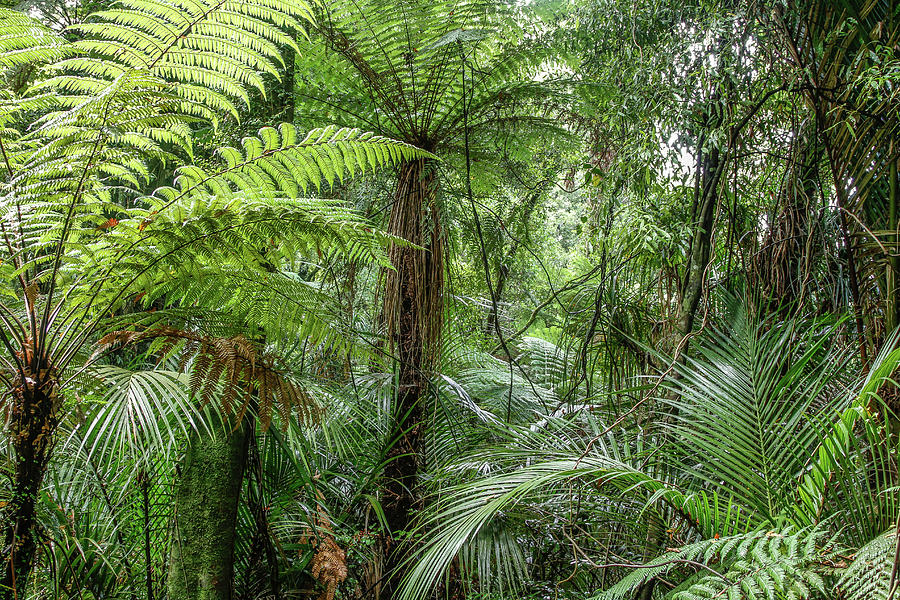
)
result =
(329, 563)
(233, 370)
(329, 566)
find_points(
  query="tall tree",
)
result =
(458, 80)
(839, 54)
(75, 240)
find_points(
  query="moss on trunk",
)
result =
(201, 557)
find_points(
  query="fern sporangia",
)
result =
(233, 371)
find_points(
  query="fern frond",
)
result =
(25, 41)
(279, 163)
(869, 575)
(233, 371)
(247, 212)
(214, 49)
(761, 564)
(280, 305)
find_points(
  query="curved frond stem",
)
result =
(185, 31)
(42, 333)
(364, 68)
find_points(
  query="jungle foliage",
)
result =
(464, 299)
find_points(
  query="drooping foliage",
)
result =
(572, 300)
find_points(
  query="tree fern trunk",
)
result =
(201, 556)
(892, 295)
(33, 418)
(413, 311)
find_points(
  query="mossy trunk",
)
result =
(201, 556)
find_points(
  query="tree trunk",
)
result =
(840, 192)
(33, 419)
(201, 557)
(493, 310)
(712, 166)
(892, 294)
(413, 311)
(285, 96)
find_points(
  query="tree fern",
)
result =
(214, 50)
(870, 574)
(78, 231)
(784, 563)
(409, 86)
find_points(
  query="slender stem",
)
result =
(9, 168)
(892, 300)
(148, 558)
(40, 338)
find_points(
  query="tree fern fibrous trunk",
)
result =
(892, 293)
(201, 555)
(33, 418)
(413, 312)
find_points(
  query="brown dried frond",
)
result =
(118, 338)
(329, 566)
(329, 563)
(233, 369)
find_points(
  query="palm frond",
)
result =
(142, 412)
(744, 407)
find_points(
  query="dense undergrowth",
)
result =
(465, 299)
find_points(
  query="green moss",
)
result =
(201, 565)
